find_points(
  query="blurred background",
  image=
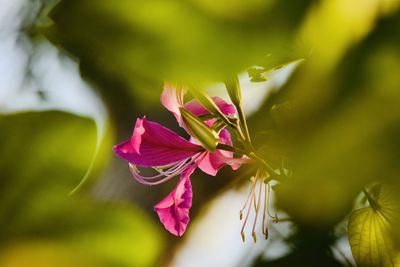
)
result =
(321, 90)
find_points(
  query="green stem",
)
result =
(267, 167)
(242, 130)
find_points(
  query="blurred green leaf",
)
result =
(43, 156)
(344, 132)
(370, 230)
(142, 43)
(44, 254)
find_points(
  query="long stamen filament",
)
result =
(248, 211)
(266, 203)
(269, 214)
(164, 176)
(247, 200)
(253, 232)
(173, 169)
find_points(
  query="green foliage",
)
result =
(44, 155)
(370, 230)
(334, 127)
(141, 43)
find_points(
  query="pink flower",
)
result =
(169, 155)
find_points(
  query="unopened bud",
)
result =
(199, 130)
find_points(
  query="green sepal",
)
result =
(233, 88)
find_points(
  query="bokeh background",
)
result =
(321, 89)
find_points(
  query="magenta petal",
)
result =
(136, 138)
(173, 210)
(213, 162)
(154, 145)
(227, 109)
(197, 109)
(172, 99)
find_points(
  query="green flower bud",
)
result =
(199, 130)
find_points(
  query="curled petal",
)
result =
(172, 99)
(173, 210)
(136, 138)
(154, 145)
(211, 163)
(197, 109)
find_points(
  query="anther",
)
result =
(266, 233)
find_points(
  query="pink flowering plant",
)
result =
(208, 121)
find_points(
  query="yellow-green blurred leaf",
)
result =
(141, 43)
(44, 254)
(44, 155)
(370, 232)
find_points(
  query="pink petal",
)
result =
(173, 210)
(213, 162)
(136, 138)
(172, 99)
(227, 109)
(197, 109)
(154, 145)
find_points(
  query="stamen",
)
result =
(175, 168)
(248, 210)
(247, 200)
(254, 198)
(171, 171)
(164, 176)
(266, 201)
(172, 168)
(257, 207)
(144, 180)
(275, 218)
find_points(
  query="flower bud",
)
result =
(199, 130)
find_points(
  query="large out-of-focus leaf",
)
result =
(344, 131)
(141, 42)
(370, 231)
(44, 155)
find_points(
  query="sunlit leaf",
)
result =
(370, 231)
